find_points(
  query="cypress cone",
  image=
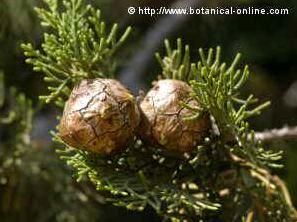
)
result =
(100, 116)
(164, 123)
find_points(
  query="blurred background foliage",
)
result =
(40, 186)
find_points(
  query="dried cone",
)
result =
(100, 116)
(164, 120)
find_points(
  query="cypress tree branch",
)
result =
(185, 187)
(277, 134)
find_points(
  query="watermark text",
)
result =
(149, 11)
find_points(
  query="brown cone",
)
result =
(100, 116)
(163, 122)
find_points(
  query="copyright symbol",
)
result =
(131, 10)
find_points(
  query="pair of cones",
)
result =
(103, 117)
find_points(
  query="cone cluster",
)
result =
(102, 116)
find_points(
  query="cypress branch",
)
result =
(188, 187)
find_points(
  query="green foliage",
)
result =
(216, 88)
(192, 187)
(175, 65)
(78, 47)
(144, 176)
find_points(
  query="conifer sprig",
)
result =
(187, 187)
(78, 46)
(144, 177)
(176, 63)
(216, 88)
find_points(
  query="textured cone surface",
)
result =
(163, 122)
(100, 116)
